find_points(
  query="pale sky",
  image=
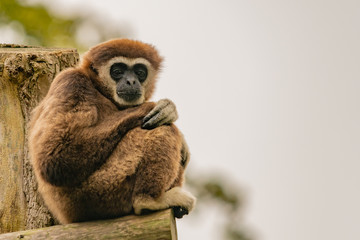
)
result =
(268, 95)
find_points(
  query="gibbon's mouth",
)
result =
(129, 96)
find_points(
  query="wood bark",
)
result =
(25, 76)
(158, 225)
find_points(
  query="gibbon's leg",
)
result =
(185, 156)
(109, 190)
(159, 171)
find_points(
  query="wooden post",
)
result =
(25, 76)
(158, 225)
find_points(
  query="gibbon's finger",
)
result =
(164, 112)
(172, 112)
(169, 113)
(160, 106)
(152, 114)
(158, 120)
(151, 123)
(165, 116)
(167, 120)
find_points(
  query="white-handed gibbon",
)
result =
(99, 149)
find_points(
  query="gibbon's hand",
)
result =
(163, 113)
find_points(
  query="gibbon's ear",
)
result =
(92, 68)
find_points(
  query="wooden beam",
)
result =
(157, 225)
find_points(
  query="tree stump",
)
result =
(25, 76)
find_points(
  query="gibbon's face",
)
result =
(127, 79)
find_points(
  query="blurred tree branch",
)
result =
(212, 189)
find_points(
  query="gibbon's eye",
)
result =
(141, 71)
(117, 70)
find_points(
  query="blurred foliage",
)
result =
(212, 190)
(38, 26)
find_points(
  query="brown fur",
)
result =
(91, 159)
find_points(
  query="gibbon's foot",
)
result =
(180, 200)
(163, 113)
(179, 212)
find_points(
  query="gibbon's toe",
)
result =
(179, 212)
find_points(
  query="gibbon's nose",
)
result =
(130, 81)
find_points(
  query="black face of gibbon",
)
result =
(128, 80)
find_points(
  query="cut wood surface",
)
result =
(158, 225)
(25, 76)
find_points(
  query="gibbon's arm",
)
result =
(72, 138)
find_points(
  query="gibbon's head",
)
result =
(123, 70)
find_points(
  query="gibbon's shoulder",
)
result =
(69, 80)
(72, 82)
(70, 89)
